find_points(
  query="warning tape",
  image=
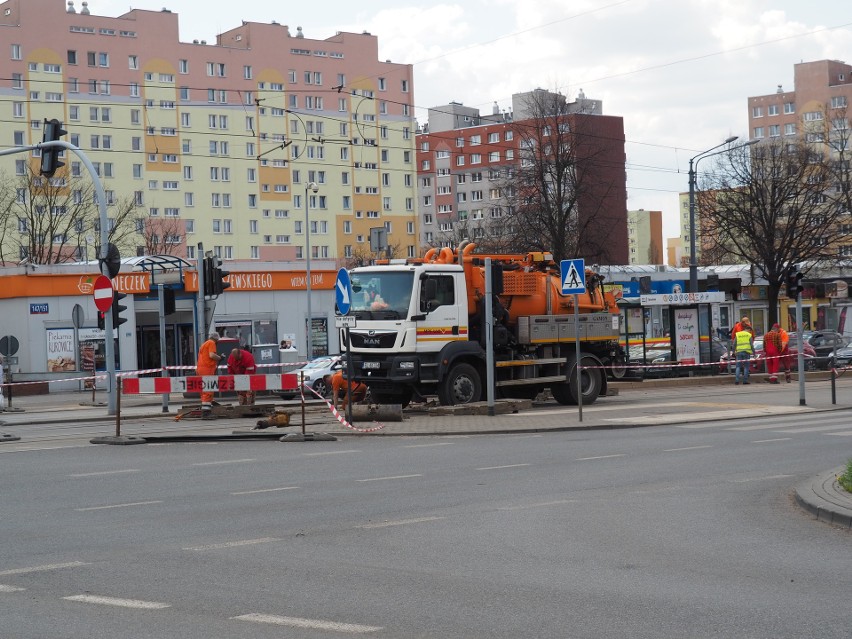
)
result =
(340, 418)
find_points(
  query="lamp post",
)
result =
(693, 163)
(311, 186)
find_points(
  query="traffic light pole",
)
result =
(104, 238)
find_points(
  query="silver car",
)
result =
(314, 374)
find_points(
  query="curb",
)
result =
(823, 497)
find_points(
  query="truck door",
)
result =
(445, 320)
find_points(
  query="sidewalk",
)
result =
(630, 405)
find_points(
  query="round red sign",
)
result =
(102, 293)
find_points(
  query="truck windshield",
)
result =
(382, 295)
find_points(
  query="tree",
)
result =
(767, 205)
(160, 236)
(50, 221)
(561, 198)
(363, 256)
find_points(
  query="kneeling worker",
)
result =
(338, 384)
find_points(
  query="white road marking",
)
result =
(123, 603)
(599, 457)
(811, 429)
(400, 522)
(749, 479)
(24, 571)
(224, 461)
(313, 624)
(32, 449)
(386, 478)
(263, 490)
(502, 467)
(591, 409)
(675, 450)
(4, 588)
(428, 445)
(842, 434)
(105, 472)
(233, 544)
(542, 504)
(135, 503)
(331, 452)
(767, 441)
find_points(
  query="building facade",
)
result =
(465, 161)
(645, 237)
(216, 144)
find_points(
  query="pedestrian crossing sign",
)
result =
(573, 274)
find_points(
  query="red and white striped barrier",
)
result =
(208, 383)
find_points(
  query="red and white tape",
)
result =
(340, 418)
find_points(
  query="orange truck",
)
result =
(420, 329)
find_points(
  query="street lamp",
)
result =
(311, 186)
(693, 261)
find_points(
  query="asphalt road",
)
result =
(672, 531)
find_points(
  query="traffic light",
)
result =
(101, 320)
(214, 276)
(50, 155)
(219, 283)
(117, 308)
(794, 284)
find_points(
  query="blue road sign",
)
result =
(573, 274)
(343, 291)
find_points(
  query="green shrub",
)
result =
(845, 480)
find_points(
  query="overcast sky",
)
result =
(678, 71)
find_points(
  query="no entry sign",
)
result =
(102, 293)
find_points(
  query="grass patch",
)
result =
(845, 480)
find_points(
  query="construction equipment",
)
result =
(421, 328)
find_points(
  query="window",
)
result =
(183, 66)
(17, 52)
(789, 107)
(757, 112)
(444, 292)
(837, 101)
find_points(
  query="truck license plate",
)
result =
(372, 364)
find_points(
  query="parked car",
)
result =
(824, 344)
(843, 357)
(314, 374)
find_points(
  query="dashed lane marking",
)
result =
(24, 571)
(5, 588)
(234, 544)
(502, 467)
(769, 441)
(114, 601)
(676, 450)
(105, 472)
(399, 522)
(388, 478)
(331, 452)
(543, 504)
(264, 490)
(600, 457)
(750, 479)
(224, 461)
(128, 505)
(312, 624)
(428, 445)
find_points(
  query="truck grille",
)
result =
(376, 340)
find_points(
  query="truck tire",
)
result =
(402, 398)
(461, 385)
(566, 392)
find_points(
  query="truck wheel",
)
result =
(403, 398)
(566, 392)
(461, 386)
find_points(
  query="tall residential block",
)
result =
(218, 143)
(645, 237)
(466, 160)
